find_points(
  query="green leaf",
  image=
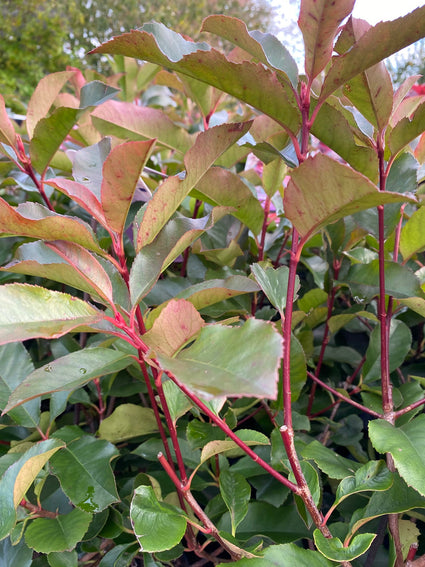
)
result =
(319, 22)
(157, 525)
(178, 323)
(298, 368)
(406, 445)
(14, 555)
(69, 373)
(333, 548)
(373, 476)
(172, 240)
(128, 421)
(63, 559)
(406, 130)
(7, 130)
(400, 341)
(47, 535)
(322, 190)
(128, 121)
(16, 364)
(18, 478)
(87, 165)
(208, 147)
(412, 238)
(238, 361)
(248, 436)
(328, 461)
(286, 555)
(88, 460)
(63, 262)
(265, 92)
(96, 93)
(49, 134)
(400, 281)
(223, 187)
(376, 44)
(236, 493)
(178, 404)
(31, 311)
(44, 96)
(274, 283)
(121, 556)
(35, 221)
(264, 47)
(121, 172)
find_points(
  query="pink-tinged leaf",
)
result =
(63, 262)
(249, 82)
(319, 21)
(230, 361)
(81, 195)
(7, 131)
(406, 130)
(130, 122)
(264, 47)
(178, 323)
(208, 147)
(35, 221)
(49, 134)
(371, 92)
(30, 311)
(43, 97)
(322, 190)
(401, 94)
(121, 172)
(405, 109)
(378, 43)
(222, 187)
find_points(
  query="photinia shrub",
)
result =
(212, 304)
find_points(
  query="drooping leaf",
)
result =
(285, 555)
(30, 311)
(373, 476)
(321, 191)
(43, 97)
(128, 121)
(16, 364)
(222, 187)
(158, 526)
(400, 342)
(332, 464)
(152, 43)
(35, 221)
(239, 361)
(18, 478)
(236, 493)
(265, 47)
(47, 535)
(333, 548)
(88, 460)
(96, 93)
(319, 22)
(376, 44)
(69, 372)
(121, 172)
(274, 283)
(406, 445)
(400, 281)
(177, 402)
(63, 262)
(49, 134)
(209, 145)
(178, 323)
(128, 421)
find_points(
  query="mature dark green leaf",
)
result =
(63, 558)
(69, 372)
(238, 361)
(328, 461)
(406, 445)
(31, 311)
(18, 478)
(285, 555)
(274, 283)
(46, 535)
(236, 493)
(157, 525)
(88, 460)
(373, 476)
